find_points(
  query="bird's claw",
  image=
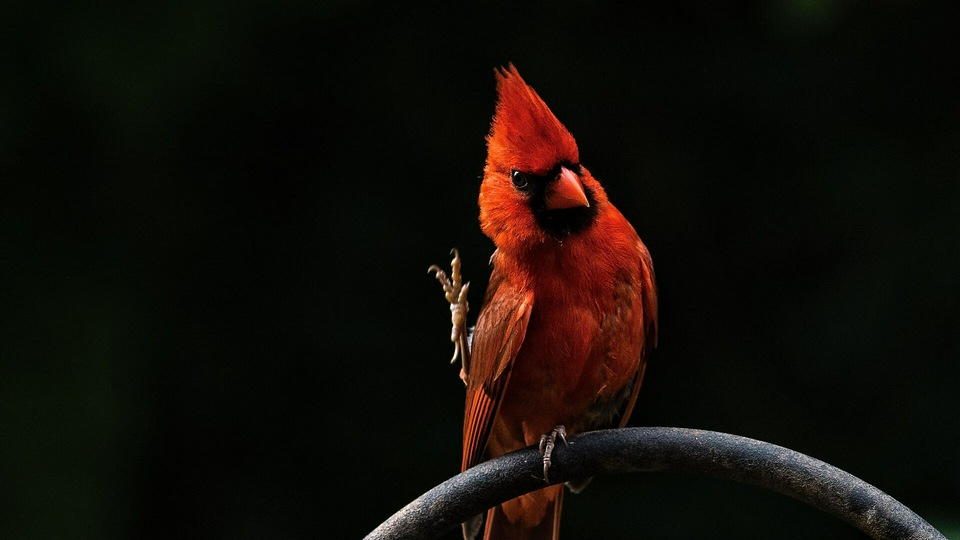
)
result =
(455, 292)
(547, 442)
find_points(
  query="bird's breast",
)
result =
(574, 354)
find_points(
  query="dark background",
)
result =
(216, 220)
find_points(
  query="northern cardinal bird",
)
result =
(570, 313)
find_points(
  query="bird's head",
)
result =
(534, 188)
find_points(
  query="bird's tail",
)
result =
(534, 516)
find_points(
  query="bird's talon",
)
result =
(547, 443)
(455, 292)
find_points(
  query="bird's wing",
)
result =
(497, 337)
(648, 288)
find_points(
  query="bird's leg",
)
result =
(547, 442)
(455, 291)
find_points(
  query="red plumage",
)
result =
(570, 311)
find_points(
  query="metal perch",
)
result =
(655, 449)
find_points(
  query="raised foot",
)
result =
(547, 442)
(455, 291)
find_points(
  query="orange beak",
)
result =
(565, 192)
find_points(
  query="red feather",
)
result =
(570, 312)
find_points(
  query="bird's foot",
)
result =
(547, 442)
(455, 291)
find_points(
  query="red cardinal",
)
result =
(570, 313)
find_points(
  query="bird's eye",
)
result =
(520, 180)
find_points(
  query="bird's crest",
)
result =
(524, 133)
